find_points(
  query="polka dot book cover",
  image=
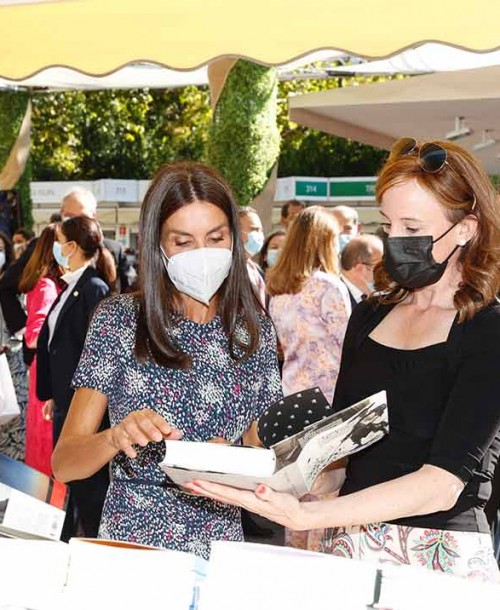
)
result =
(300, 437)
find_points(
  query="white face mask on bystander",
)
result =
(199, 273)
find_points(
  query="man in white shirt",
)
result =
(357, 261)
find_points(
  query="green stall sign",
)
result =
(311, 188)
(352, 188)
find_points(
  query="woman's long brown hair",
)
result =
(173, 187)
(309, 246)
(41, 263)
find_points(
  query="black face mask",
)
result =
(409, 261)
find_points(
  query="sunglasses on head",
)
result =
(432, 157)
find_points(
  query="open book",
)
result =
(49, 575)
(290, 465)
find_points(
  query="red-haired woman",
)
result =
(431, 338)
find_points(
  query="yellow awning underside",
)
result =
(99, 36)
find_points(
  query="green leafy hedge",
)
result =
(244, 139)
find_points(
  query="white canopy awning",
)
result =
(424, 107)
(430, 57)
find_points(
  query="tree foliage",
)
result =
(129, 134)
(117, 134)
(308, 152)
(244, 138)
(12, 110)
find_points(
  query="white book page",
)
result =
(246, 576)
(27, 514)
(33, 573)
(214, 457)
(146, 577)
(363, 428)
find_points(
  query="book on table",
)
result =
(32, 504)
(94, 573)
(293, 463)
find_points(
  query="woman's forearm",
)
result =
(80, 456)
(425, 491)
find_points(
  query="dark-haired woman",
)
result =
(191, 355)
(61, 341)
(270, 250)
(431, 339)
(41, 284)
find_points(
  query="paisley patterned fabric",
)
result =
(466, 554)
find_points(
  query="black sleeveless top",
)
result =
(444, 409)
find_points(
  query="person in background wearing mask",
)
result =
(430, 337)
(252, 236)
(348, 220)
(20, 241)
(290, 210)
(60, 345)
(357, 261)
(82, 202)
(270, 250)
(77, 202)
(41, 283)
(191, 355)
(12, 434)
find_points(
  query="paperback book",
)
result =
(32, 504)
(293, 463)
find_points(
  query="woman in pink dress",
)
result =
(40, 282)
(310, 308)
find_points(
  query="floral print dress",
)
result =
(311, 326)
(216, 397)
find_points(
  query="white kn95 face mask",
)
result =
(199, 273)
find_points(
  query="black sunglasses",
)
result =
(432, 157)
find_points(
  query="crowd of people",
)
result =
(49, 287)
(224, 321)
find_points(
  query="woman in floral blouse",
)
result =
(310, 308)
(309, 303)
